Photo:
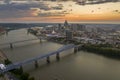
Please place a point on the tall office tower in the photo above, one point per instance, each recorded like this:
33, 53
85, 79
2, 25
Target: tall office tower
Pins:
66, 25
69, 35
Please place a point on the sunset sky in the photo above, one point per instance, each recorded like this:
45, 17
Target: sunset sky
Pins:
20, 11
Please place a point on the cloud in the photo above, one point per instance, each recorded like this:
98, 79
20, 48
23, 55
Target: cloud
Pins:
27, 4
47, 14
7, 1
25, 9
58, 7
85, 2
14, 9
88, 2
80, 2
116, 11
17, 14
24, 6
35, 11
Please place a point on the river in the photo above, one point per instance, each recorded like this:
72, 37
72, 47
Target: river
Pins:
80, 66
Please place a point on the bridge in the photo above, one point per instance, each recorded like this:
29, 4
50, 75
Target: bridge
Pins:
11, 43
35, 59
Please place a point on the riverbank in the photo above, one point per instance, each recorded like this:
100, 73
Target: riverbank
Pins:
105, 51
2, 31
2, 56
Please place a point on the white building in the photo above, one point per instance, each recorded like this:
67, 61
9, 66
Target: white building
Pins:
2, 66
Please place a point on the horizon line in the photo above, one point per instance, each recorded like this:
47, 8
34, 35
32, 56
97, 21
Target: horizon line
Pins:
60, 22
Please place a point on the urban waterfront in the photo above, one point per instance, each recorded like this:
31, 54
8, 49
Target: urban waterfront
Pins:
59, 39
83, 65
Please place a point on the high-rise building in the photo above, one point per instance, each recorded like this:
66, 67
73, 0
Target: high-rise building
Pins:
69, 35
81, 27
66, 24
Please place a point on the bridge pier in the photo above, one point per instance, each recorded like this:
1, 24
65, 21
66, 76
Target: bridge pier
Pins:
28, 31
57, 56
36, 64
6, 33
11, 45
48, 59
40, 40
75, 49
79, 48
21, 69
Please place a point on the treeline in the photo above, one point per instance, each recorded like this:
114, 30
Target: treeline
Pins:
19, 72
24, 25
105, 51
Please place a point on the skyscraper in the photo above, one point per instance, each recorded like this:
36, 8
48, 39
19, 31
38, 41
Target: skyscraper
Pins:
66, 24
69, 35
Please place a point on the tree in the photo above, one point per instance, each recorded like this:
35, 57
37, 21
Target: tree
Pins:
24, 76
7, 61
32, 78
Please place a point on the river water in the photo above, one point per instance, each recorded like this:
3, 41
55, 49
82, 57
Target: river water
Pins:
80, 66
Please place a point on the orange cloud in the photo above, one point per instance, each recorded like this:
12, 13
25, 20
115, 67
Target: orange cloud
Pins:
35, 11
94, 17
69, 17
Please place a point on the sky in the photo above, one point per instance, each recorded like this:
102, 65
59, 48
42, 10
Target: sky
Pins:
23, 11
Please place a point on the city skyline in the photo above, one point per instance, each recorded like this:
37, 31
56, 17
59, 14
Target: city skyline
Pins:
20, 11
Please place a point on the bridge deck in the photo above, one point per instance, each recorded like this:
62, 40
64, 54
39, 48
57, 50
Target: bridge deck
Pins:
19, 41
8, 43
18, 64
